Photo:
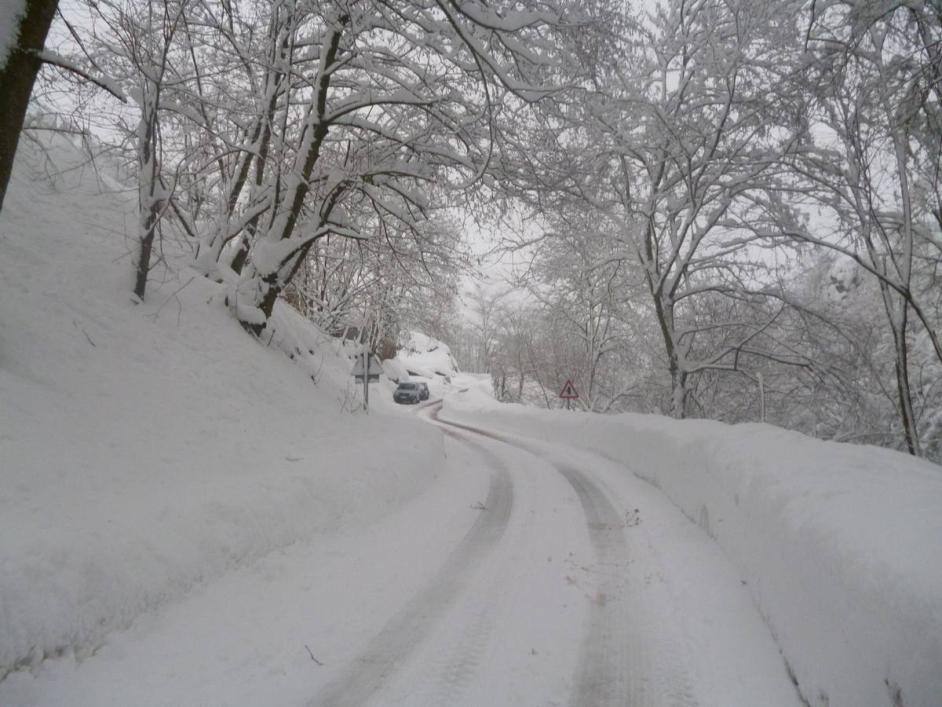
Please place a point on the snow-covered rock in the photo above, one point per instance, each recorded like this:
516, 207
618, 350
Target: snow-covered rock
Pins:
422, 356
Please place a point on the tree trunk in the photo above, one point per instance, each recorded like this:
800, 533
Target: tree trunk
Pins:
16, 81
145, 247
665, 319
678, 392
149, 205
904, 390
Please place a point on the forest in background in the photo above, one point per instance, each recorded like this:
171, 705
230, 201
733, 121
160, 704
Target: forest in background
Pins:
726, 209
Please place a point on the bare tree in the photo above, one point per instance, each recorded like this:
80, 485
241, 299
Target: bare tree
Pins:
148, 39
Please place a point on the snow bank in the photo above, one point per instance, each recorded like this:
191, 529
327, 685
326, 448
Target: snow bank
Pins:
145, 448
475, 388
840, 545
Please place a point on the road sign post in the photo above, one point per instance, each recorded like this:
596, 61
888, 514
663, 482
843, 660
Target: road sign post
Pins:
568, 393
368, 368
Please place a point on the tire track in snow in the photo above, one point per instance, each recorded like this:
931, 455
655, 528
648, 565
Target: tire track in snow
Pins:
611, 671
620, 665
616, 666
612, 668
391, 647
462, 660
459, 665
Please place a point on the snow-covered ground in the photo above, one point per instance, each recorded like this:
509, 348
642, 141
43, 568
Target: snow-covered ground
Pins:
191, 517
146, 449
839, 545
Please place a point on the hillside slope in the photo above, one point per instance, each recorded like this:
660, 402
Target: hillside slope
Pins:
148, 447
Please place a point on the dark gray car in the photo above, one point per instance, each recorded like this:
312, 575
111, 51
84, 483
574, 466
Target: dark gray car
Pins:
407, 393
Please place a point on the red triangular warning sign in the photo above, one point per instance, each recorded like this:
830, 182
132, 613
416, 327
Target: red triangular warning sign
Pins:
569, 391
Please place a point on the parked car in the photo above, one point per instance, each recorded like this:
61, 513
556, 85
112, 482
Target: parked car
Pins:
423, 391
407, 393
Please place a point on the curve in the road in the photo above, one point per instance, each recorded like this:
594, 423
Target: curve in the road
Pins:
367, 674
614, 667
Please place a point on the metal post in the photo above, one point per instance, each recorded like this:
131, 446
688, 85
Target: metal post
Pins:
761, 398
366, 379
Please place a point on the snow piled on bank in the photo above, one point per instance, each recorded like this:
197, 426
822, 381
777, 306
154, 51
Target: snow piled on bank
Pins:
839, 545
147, 448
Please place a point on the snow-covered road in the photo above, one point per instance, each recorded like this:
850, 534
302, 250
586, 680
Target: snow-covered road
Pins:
186, 520
527, 574
664, 618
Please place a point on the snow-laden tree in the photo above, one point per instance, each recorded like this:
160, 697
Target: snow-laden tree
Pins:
130, 49
866, 174
675, 130
147, 34
376, 285
583, 284
696, 132
851, 393
352, 108
520, 353
485, 311
673, 176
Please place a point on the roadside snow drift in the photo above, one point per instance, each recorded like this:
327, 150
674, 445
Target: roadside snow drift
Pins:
839, 545
145, 448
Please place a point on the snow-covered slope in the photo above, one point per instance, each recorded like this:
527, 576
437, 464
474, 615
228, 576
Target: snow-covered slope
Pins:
840, 545
145, 448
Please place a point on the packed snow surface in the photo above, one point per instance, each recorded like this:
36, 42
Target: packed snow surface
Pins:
839, 545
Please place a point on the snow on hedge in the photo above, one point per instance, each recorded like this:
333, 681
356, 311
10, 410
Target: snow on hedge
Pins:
149, 447
840, 545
